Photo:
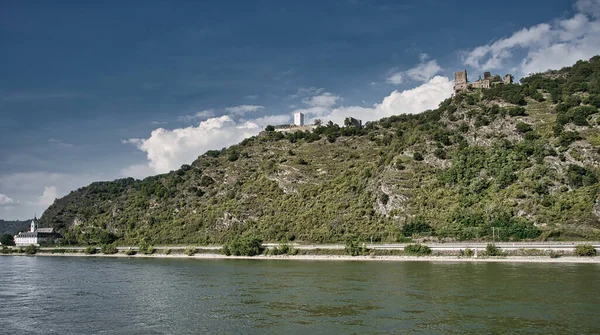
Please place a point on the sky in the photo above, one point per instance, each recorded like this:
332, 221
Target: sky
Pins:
118, 89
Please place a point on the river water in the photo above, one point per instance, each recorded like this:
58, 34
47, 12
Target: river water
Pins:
81, 295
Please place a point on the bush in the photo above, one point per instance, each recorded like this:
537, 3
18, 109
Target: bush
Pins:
467, 252
523, 127
585, 250
5, 250
352, 246
90, 250
130, 252
190, 251
492, 250
418, 156
244, 246
167, 251
109, 249
417, 249
30, 249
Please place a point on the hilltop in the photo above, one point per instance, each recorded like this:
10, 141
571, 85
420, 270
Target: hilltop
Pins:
521, 161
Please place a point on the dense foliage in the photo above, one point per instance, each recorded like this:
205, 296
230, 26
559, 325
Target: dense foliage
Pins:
514, 162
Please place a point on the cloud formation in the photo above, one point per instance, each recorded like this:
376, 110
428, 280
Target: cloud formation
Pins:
5, 200
543, 46
422, 72
48, 196
323, 100
201, 115
243, 109
167, 150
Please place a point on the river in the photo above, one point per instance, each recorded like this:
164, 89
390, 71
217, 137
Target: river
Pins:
79, 295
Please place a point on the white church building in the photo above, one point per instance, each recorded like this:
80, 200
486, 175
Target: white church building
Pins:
35, 235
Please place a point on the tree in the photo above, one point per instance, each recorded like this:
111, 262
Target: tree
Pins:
270, 128
318, 122
7, 239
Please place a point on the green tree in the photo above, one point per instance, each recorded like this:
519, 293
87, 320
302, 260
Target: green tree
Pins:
269, 128
7, 239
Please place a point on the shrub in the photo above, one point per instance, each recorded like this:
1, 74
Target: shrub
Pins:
190, 251
109, 249
467, 252
244, 246
130, 252
167, 251
417, 249
523, 127
90, 250
585, 250
352, 246
493, 250
418, 156
5, 250
149, 250
31, 249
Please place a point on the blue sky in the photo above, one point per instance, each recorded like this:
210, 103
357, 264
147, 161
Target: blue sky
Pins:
103, 91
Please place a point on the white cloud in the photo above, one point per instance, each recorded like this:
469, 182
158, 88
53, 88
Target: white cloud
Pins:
272, 120
412, 101
243, 109
167, 150
5, 200
323, 100
49, 195
591, 7
32, 192
543, 46
198, 116
396, 78
422, 72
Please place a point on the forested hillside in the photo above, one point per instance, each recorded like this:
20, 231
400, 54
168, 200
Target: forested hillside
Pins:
522, 160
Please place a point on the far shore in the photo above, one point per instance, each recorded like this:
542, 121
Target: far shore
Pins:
510, 259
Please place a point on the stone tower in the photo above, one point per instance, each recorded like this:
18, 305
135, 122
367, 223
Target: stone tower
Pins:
460, 81
299, 119
508, 79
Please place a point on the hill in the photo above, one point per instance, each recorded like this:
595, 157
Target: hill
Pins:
520, 161
13, 227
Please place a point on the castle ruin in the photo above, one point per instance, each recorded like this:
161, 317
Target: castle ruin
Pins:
461, 82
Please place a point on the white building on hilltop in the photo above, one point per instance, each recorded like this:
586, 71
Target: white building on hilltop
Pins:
299, 119
35, 235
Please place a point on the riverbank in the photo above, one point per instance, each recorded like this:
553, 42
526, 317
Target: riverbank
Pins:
512, 259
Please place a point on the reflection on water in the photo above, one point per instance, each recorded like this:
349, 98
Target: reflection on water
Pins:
69, 295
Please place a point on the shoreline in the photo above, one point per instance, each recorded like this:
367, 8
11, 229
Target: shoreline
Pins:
446, 259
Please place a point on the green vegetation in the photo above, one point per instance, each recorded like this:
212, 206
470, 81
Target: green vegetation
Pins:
354, 247
91, 250
493, 250
467, 170
109, 249
585, 250
417, 249
7, 239
30, 249
190, 251
283, 249
129, 252
244, 246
